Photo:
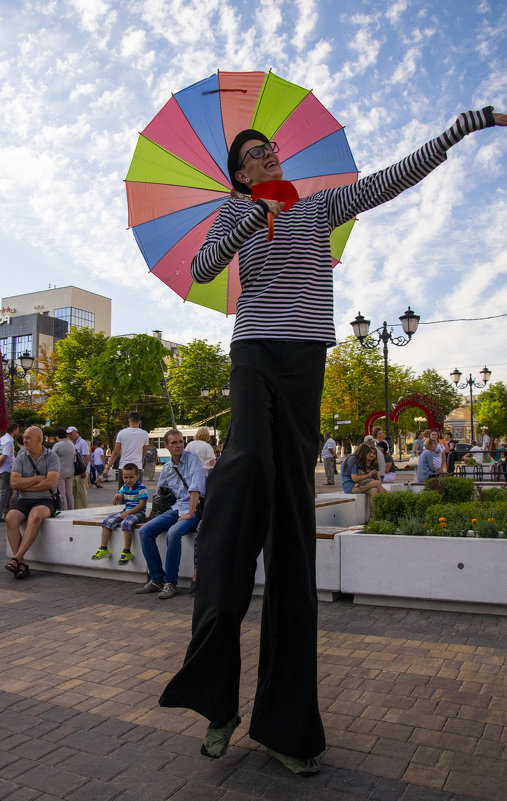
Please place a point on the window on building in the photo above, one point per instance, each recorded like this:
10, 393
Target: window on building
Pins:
5, 346
76, 317
20, 344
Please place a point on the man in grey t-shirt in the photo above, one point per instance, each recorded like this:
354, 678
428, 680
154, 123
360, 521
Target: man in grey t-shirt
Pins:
35, 476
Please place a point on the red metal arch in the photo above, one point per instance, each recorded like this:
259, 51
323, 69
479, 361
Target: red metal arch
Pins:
426, 403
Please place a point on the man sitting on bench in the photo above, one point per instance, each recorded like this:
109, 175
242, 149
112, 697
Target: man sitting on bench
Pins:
35, 476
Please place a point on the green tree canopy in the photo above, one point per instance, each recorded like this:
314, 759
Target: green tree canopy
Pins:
95, 378
354, 387
490, 409
199, 364
429, 382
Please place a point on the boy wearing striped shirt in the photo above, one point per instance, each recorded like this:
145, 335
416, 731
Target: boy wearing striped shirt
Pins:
135, 496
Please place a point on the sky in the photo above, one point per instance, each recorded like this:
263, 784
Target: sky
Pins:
80, 78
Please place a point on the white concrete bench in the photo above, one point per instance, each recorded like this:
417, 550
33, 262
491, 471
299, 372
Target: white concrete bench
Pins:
341, 509
66, 543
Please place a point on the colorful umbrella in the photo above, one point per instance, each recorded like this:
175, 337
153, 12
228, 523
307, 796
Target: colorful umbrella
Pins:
178, 177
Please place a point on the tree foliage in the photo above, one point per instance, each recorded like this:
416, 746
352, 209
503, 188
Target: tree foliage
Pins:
127, 369
91, 378
25, 416
199, 364
444, 392
354, 387
490, 409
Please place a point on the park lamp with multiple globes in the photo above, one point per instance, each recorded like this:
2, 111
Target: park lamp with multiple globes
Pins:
361, 329
12, 371
214, 397
471, 382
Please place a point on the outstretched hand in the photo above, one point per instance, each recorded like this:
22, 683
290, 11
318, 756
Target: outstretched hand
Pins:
500, 119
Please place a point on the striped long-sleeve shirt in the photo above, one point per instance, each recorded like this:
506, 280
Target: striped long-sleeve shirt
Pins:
287, 284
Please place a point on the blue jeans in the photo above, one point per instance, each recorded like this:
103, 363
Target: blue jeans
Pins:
168, 521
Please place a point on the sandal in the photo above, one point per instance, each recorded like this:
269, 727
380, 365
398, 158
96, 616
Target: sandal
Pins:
13, 568
23, 571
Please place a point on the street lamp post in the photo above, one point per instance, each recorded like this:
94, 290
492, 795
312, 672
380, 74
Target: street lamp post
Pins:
12, 371
471, 382
214, 397
361, 329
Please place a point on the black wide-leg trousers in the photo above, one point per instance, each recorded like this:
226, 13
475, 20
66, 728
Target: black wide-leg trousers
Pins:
260, 495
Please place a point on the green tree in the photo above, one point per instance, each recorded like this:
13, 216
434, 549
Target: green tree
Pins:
93, 378
73, 396
429, 382
129, 372
25, 417
354, 387
490, 409
199, 364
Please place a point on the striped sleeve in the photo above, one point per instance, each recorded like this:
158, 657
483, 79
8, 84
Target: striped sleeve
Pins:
468, 122
344, 203
224, 239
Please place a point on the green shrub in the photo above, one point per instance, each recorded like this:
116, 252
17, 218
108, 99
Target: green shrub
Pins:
487, 528
493, 494
412, 527
380, 527
425, 499
393, 505
452, 489
448, 520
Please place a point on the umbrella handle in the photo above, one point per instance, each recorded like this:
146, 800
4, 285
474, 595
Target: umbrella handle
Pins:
271, 227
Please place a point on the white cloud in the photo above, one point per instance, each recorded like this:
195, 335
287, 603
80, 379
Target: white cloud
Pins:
305, 24
91, 12
395, 10
81, 77
407, 67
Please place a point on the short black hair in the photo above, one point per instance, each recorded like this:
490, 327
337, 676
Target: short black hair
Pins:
232, 159
12, 427
131, 466
135, 416
61, 432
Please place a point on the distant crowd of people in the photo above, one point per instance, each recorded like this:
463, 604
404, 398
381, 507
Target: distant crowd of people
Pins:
371, 465
37, 483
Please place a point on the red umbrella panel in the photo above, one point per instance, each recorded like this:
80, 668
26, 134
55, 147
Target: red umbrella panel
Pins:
178, 176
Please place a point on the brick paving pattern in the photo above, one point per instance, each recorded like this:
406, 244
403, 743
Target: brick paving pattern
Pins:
413, 702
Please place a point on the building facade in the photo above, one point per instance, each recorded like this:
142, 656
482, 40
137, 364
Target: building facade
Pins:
42, 318
28, 332
77, 307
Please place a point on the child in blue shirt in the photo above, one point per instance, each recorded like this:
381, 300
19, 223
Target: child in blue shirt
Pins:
135, 496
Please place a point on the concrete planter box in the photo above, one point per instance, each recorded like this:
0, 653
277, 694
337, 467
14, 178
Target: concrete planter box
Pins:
433, 568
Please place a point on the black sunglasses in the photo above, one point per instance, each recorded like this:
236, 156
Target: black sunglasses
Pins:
258, 151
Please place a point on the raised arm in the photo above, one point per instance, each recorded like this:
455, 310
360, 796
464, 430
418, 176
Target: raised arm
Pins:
346, 202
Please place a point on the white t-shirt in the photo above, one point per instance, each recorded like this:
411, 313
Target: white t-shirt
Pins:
7, 450
132, 442
328, 446
478, 453
204, 451
437, 456
97, 455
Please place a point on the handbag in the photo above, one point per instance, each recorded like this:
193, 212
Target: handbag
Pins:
79, 465
55, 493
199, 510
413, 461
162, 501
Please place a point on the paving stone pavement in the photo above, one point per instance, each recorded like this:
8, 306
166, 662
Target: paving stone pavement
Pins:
413, 702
